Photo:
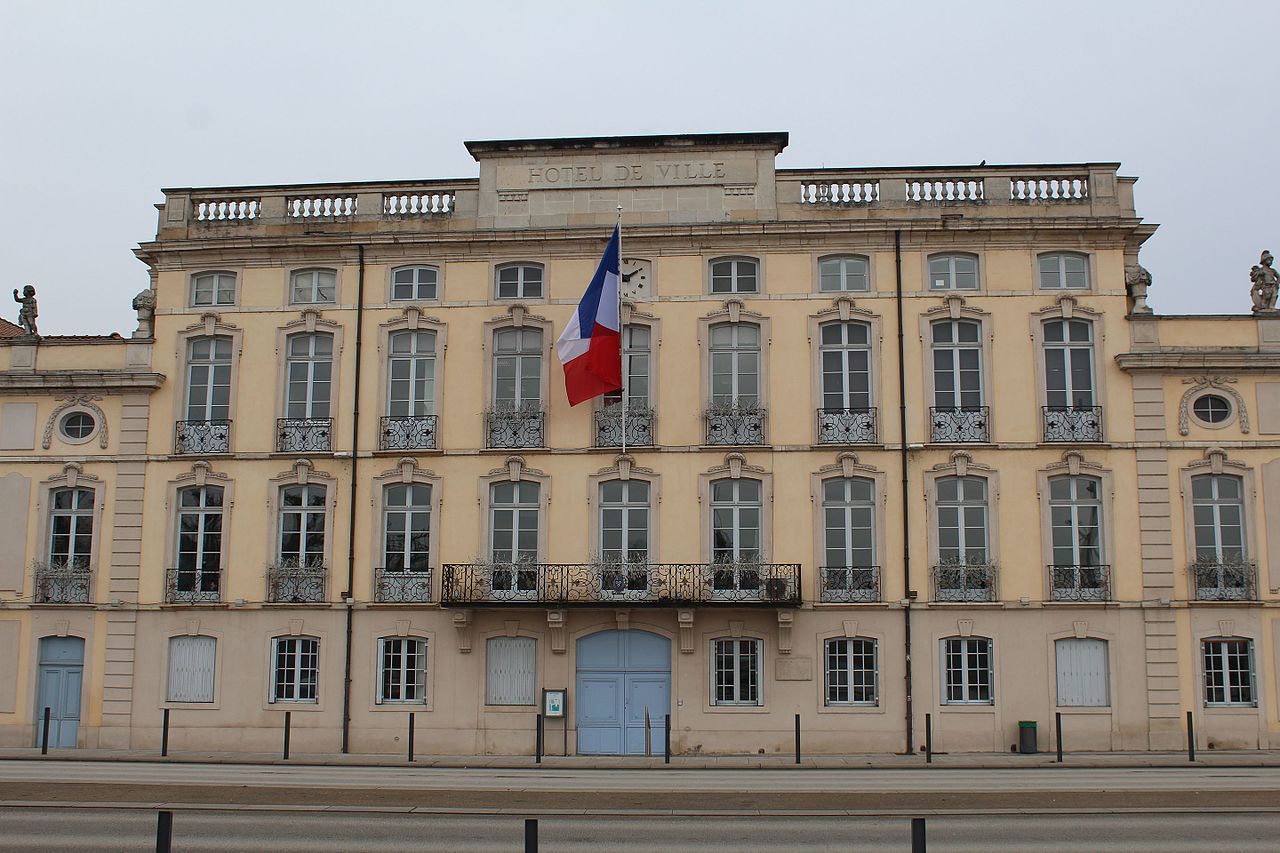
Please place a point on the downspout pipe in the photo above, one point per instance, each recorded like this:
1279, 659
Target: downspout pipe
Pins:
904, 461
347, 595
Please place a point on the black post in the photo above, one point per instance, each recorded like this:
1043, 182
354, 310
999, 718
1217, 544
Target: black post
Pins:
44, 738
1057, 723
164, 832
928, 738
530, 835
666, 740
1191, 737
917, 835
164, 736
797, 738
410, 737
287, 720
538, 754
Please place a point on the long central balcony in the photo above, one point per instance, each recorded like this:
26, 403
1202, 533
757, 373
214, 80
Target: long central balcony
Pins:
629, 584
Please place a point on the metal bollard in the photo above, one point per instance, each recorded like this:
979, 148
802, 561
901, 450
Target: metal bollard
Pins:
1057, 724
530, 835
1191, 737
538, 752
287, 721
797, 738
666, 738
410, 737
928, 738
917, 835
44, 737
164, 736
164, 832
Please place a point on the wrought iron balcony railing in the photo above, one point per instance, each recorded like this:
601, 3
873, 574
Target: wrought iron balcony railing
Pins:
403, 587
967, 581
735, 424
1225, 580
60, 582
848, 584
202, 437
958, 426
515, 428
1080, 583
639, 426
1072, 423
636, 584
304, 435
289, 582
847, 426
192, 586
409, 433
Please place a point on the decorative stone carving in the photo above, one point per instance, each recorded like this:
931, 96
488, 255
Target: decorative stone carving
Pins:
27, 313
462, 623
1266, 284
82, 401
1220, 383
555, 630
145, 304
786, 618
1137, 280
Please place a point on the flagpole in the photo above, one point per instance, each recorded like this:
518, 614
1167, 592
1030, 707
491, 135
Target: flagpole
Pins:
622, 334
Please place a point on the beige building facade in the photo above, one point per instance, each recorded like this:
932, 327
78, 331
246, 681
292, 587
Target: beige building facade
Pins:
899, 441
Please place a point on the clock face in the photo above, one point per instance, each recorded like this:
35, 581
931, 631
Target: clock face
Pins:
637, 278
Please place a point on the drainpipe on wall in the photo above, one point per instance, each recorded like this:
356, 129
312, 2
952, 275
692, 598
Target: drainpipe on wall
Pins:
347, 597
906, 503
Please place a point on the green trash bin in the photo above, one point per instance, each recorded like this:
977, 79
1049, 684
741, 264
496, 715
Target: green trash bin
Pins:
1027, 737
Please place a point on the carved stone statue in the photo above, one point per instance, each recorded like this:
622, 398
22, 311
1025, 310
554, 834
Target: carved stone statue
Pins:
27, 313
145, 304
1266, 284
1137, 280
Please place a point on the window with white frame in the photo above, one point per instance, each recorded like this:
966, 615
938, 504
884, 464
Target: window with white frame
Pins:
302, 526
1064, 271
514, 516
209, 379
1068, 364
636, 341
736, 509
402, 672
71, 528
624, 521
967, 671
309, 374
511, 671
519, 281
735, 672
213, 288
411, 372
1083, 677
517, 368
295, 669
846, 273
191, 669
851, 671
406, 526
308, 287
953, 272
1075, 519
735, 364
962, 520
845, 351
1217, 508
1228, 673
957, 364
848, 538
735, 275
199, 557
417, 282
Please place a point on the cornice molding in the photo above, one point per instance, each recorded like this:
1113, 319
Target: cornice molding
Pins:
98, 381
1202, 361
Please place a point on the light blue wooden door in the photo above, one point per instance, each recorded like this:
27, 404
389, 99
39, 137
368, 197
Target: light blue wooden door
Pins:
61, 676
620, 675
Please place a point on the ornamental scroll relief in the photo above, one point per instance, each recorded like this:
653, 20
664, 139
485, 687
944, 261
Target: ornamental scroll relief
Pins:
80, 402
1220, 383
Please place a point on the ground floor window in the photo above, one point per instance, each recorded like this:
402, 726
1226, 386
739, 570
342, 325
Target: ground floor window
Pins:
851, 671
296, 669
510, 671
191, 661
735, 672
402, 673
966, 671
1228, 673
1082, 672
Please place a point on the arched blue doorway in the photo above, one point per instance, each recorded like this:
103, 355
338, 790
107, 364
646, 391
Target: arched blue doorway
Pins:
621, 674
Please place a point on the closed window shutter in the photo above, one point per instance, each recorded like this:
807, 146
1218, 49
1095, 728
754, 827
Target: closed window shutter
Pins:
1082, 673
191, 661
510, 677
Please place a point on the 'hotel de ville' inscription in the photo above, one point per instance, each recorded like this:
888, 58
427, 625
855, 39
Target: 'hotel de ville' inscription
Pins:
619, 172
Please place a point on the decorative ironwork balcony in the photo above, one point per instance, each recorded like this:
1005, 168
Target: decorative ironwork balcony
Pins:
847, 426
403, 587
1072, 423
202, 437
958, 426
409, 433
636, 584
1080, 583
848, 584
304, 435
639, 426
735, 424
964, 581
60, 582
192, 586
289, 582
1225, 580
514, 428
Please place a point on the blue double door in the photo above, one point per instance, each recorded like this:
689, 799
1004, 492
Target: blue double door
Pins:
61, 679
621, 676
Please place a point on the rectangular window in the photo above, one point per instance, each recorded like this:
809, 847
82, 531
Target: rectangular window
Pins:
966, 671
953, 272
734, 275
1083, 681
1228, 673
402, 674
511, 671
71, 528
851, 671
313, 286
520, 281
191, 662
295, 669
213, 288
414, 283
735, 672
309, 376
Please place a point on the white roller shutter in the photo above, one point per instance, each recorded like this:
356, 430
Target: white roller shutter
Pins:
510, 671
1082, 672
191, 662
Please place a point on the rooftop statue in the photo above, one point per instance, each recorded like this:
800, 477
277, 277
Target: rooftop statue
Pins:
145, 304
1266, 284
27, 313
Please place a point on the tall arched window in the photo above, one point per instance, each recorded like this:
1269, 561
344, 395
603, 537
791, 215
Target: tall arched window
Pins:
197, 575
1071, 411
964, 571
959, 412
1078, 572
624, 538
847, 415
1222, 570
849, 572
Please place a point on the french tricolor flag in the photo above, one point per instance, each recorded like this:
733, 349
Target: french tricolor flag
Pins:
590, 348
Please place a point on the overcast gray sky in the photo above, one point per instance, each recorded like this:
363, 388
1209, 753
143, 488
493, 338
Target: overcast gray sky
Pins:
106, 102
